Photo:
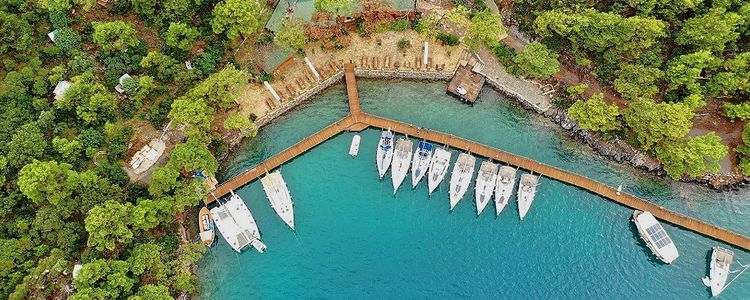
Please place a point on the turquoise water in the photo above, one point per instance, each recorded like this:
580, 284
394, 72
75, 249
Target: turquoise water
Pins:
355, 240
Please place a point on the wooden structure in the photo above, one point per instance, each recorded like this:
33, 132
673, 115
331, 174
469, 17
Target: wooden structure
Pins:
358, 120
466, 84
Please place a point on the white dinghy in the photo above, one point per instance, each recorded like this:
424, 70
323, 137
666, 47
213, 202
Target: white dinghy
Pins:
463, 170
506, 179
401, 161
655, 236
721, 263
420, 162
384, 154
354, 147
526, 193
438, 168
485, 185
279, 197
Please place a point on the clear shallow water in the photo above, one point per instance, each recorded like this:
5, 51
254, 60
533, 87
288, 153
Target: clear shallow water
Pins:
355, 240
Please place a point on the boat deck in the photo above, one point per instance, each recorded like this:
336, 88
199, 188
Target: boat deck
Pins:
356, 117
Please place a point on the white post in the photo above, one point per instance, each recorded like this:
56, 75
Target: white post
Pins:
426, 50
270, 89
312, 68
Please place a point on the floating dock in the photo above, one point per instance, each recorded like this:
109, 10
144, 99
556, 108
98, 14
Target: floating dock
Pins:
466, 84
357, 121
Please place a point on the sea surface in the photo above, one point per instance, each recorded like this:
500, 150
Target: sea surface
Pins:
356, 240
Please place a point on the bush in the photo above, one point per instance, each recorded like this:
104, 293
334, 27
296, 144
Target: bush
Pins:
448, 39
120, 7
52, 52
537, 61
404, 43
81, 63
59, 19
67, 39
400, 25
130, 85
737, 111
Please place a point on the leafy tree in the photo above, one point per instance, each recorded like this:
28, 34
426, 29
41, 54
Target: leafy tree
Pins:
67, 39
100, 107
194, 113
181, 36
113, 36
163, 180
637, 81
221, 88
45, 182
485, 28
193, 156
149, 258
109, 225
186, 283
150, 213
429, 26
238, 121
189, 194
91, 190
15, 33
576, 90
693, 156
145, 8
237, 17
162, 67
537, 61
70, 150
177, 9
743, 152
27, 143
81, 63
3, 171
152, 292
711, 31
595, 114
687, 69
658, 122
737, 111
291, 35
338, 7
102, 279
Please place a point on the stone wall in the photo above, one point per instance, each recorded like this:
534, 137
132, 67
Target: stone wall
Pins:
513, 94
402, 74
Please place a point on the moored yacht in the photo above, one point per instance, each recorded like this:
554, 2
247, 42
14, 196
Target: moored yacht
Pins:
721, 263
279, 197
438, 168
485, 185
401, 161
354, 147
228, 228
461, 175
526, 193
384, 154
655, 236
506, 179
420, 162
245, 221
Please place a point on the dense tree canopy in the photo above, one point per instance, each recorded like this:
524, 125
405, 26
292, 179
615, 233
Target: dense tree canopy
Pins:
237, 17
537, 61
181, 36
658, 122
637, 81
693, 156
484, 28
115, 35
711, 31
291, 34
595, 114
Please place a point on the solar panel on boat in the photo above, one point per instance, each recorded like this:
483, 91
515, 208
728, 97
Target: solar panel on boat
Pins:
658, 235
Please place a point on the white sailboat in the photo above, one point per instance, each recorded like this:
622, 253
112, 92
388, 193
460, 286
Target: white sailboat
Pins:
526, 193
228, 228
438, 168
279, 197
401, 161
655, 236
245, 221
384, 154
721, 263
485, 185
506, 179
354, 147
421, 162
461, 175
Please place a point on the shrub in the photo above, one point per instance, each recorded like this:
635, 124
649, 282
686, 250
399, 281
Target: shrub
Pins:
737, 111
448, 39
404, 43
400, 25
67, 39
537, 61
81, 63
130, 85
59, 19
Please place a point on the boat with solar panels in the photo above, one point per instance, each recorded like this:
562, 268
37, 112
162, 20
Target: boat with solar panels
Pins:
384, 154
655, 236
401, 161
420, 162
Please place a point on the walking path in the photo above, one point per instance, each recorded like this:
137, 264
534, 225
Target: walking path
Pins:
358, 120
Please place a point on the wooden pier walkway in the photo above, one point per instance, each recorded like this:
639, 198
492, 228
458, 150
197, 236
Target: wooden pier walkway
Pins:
358, 120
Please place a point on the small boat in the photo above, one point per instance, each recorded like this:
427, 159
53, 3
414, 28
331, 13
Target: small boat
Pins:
526, 193
438, 168
421, 162
485, 185
463, 170
279, 197
401, 161
206, 225
354, 148
721, 263
655, 237
506, 179
385, 152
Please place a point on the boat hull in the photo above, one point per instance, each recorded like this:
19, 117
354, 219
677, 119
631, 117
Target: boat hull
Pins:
384, 154
643, 221
438, 169
279, 197
420, 164
485, 185
461, 175
401, 162
206, 224
506, 180
526, 194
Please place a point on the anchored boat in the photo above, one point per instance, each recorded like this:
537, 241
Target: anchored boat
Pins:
461, 177
438, 168
721, 263
279, 197
401, 161
655, 237
384, 154
421, 162
354, 148
526, 193
506, 178
206, 225
485, 185
237, 225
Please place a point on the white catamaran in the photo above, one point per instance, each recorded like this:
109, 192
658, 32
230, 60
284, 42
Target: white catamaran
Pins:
485, 185
655, 237
401, 161
721, 263
237, 225
461, 175
420, 162
385, 152
526, 193
506, 178
438, 168
279, 197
